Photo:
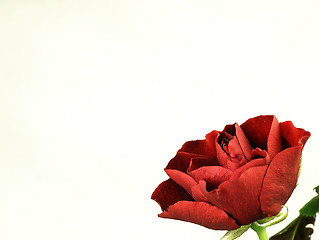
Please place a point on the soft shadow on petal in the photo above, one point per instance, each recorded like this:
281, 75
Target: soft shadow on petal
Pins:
168, 193
240, 197
200, 213
280, 180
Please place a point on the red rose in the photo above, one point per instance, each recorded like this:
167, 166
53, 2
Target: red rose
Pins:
233, 177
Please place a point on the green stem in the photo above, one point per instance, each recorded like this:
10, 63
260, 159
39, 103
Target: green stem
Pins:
260, 230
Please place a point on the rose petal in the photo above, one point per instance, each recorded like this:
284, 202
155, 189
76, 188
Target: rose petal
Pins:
257, 130
212, 175
252, 163
234, 148
182, 179
243, 142
197, 194
189, 150
224, 160
197, 146
240, 197
280, 180
198, 162
181, 161
168, 193
274, 139
200, 213
211, 139
259, 153
293, 136
230, 129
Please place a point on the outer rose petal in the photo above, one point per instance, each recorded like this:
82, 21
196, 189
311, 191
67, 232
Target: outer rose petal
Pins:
280, 180
240, 197
200, 213
168, 193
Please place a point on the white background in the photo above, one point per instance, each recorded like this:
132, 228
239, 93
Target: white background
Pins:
97, 96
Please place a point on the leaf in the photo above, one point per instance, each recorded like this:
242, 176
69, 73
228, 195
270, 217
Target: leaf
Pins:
317, 189
231, 235
296, 230
311, 208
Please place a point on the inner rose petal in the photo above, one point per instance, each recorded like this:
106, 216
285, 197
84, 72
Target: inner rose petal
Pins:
212, 175
234, 148
243, 142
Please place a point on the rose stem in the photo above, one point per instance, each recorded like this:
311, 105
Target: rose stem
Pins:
261, 231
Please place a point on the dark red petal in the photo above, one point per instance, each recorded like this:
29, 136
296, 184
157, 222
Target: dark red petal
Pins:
191, 150
181, 161
197, 146
212, 175
200, 213
197, 194
252, 163
168, 193
243, 142
240, 197
259, 153
233, 148
257, 130
274, 145
293, 136
198, 162
211, 139
224, 160
230, 129
182, 179
280, 180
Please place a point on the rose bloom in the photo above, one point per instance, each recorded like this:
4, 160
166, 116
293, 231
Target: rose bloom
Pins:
233, 177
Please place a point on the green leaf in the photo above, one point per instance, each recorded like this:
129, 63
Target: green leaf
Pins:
311, 208
296, 230
231, 235
317, 189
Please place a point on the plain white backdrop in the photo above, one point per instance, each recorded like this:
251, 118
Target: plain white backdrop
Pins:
97, 96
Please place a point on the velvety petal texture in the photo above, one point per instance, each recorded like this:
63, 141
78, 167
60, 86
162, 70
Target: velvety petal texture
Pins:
235, 176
